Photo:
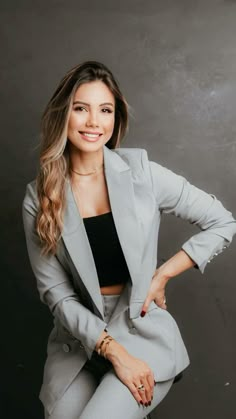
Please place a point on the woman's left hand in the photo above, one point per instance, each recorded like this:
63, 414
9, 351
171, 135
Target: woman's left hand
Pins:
177, 264
156, 292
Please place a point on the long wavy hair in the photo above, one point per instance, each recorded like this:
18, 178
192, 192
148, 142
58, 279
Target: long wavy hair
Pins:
54, 156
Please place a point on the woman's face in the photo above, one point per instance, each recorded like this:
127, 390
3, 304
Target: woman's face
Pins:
92, 118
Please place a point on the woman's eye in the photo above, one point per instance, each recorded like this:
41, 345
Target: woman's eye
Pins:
79, 108
106, 110
82, 108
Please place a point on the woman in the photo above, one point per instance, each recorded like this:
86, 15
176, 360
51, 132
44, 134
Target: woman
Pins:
91, 222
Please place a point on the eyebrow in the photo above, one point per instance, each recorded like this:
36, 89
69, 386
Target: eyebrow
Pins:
87, 104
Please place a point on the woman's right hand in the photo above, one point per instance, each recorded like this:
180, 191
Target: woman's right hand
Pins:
132, 371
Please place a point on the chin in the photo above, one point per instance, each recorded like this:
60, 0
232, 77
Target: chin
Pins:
90, 146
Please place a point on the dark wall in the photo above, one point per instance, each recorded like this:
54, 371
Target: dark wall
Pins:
176, 63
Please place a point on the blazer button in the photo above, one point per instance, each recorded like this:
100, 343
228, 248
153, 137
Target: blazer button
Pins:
133, 331
66, 348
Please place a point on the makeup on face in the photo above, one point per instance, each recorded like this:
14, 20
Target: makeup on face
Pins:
92, 116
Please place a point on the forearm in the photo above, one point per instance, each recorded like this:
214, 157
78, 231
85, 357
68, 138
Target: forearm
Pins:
102, 336
174, 266
110, 348
130, 370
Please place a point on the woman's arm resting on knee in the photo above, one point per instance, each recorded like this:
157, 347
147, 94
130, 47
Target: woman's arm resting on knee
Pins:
130, 370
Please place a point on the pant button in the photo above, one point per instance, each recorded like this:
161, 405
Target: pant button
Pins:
66, 348
133, 331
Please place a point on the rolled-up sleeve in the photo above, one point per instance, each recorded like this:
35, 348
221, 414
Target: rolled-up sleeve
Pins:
175, 195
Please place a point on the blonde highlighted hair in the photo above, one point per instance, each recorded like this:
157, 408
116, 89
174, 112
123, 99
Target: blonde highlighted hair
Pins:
54, 156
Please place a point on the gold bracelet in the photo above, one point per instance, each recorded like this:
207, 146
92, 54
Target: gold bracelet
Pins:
102, 350
105, 350
102, 342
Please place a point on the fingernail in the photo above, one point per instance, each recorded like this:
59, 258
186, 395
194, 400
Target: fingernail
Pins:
149, 403
143, 313
141, 402
146, 404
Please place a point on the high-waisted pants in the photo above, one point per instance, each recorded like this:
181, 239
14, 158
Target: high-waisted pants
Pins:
97, 393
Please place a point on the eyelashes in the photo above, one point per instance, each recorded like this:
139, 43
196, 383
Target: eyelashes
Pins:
107, 110
82, 108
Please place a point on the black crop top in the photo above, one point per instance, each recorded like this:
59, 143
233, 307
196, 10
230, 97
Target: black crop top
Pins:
108, 256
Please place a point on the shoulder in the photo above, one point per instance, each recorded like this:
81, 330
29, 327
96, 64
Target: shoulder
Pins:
135, 158
138, 158
31, 197
130, 154
163, 181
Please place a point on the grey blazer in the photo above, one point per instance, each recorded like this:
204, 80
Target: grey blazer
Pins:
139, 192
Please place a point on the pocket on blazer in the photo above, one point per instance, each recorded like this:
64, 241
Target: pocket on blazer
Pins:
156, 322
143, 325
135, 310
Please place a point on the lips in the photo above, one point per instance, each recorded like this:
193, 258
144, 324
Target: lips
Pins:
90, 136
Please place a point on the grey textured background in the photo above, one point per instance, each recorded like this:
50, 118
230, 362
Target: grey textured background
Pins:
176, 63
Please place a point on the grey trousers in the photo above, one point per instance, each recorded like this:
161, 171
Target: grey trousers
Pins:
97, 393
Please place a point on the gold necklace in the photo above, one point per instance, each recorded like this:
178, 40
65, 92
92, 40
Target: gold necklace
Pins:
88, 174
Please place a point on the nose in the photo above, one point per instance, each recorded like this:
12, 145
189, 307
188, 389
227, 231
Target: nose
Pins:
92, 120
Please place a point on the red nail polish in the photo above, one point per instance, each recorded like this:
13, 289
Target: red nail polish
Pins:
141, 402
143, 313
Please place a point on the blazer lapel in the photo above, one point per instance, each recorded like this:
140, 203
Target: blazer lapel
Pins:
122, 201
76, 241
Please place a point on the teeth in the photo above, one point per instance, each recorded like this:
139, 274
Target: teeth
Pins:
90, 135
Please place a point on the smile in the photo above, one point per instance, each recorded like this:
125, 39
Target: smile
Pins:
90, 135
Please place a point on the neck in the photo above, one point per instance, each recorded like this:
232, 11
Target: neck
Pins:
86, 162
